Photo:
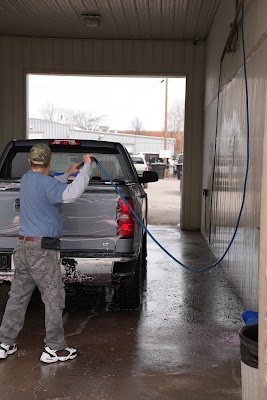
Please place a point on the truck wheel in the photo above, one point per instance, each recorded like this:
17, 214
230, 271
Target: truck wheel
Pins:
129, 295
144, 247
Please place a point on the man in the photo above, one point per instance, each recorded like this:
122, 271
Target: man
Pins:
37, 255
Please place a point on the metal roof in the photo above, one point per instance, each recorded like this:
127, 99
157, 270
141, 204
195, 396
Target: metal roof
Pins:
119, 19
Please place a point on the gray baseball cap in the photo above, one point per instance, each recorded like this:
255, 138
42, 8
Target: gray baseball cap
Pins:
40, 154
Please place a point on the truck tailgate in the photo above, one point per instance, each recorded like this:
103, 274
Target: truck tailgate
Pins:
9, 221
90, 222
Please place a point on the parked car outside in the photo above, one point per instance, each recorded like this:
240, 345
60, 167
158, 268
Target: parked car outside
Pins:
150, 157
140, 165
155, 163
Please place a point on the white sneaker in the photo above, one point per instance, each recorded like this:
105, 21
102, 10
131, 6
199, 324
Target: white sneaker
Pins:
6, 350
51, 356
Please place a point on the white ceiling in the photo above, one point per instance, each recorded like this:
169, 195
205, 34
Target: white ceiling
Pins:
120, 19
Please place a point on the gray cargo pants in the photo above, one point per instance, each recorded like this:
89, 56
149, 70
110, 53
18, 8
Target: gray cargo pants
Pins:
41, 267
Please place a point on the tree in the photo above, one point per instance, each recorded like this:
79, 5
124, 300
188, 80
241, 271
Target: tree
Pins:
176, 118
84, 120
176, 125
137, 124
52, 112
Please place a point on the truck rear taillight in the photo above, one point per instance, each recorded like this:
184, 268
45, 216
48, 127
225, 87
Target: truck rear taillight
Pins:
66, 142
126, 220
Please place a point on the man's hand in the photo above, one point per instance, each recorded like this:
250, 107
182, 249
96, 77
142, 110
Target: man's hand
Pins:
72, 169
87, 159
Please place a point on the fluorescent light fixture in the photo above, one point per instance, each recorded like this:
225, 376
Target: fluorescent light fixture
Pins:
91, 20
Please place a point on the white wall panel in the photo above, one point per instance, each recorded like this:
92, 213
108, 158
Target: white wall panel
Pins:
216, 42
241, 264
245, 264
192, 149
108, 57
255, 32
208, 152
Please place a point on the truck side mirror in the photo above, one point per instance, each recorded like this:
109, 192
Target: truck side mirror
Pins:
148, 176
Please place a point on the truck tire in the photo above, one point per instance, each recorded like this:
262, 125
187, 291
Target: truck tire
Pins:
129, 295
144, 247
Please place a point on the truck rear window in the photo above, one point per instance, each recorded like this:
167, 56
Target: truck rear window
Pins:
17, 164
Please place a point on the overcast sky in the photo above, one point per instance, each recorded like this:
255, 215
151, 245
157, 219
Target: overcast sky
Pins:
120, 100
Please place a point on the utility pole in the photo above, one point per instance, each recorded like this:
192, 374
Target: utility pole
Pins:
166, 114
166, 122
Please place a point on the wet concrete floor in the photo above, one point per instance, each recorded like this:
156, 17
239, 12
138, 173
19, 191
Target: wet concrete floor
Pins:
183, 344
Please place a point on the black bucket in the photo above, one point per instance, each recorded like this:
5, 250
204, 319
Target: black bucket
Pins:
249, 345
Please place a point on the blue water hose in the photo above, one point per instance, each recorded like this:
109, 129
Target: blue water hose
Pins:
215, 264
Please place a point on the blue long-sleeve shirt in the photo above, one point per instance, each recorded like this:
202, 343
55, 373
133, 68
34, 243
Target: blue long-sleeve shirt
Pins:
41, 197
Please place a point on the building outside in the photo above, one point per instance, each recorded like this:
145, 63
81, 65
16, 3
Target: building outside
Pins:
177, 136
135, 143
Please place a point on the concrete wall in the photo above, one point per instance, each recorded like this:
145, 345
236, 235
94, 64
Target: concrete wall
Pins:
220, 209
19, 56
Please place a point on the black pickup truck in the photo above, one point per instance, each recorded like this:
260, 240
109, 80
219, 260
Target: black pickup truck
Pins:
102, 242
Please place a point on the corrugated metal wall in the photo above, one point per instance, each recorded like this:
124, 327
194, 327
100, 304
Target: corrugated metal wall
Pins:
245, 264
242, 262
39, 129
20, 56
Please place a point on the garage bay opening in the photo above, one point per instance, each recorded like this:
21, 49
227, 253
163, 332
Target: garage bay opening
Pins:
145, 114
